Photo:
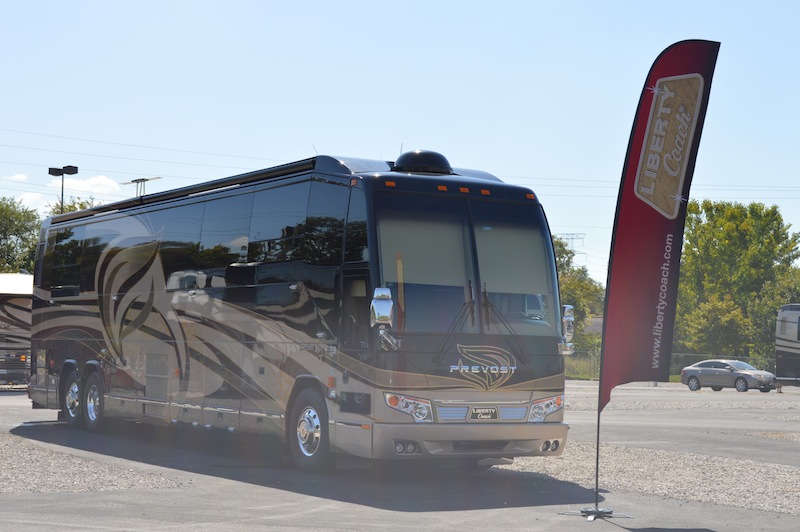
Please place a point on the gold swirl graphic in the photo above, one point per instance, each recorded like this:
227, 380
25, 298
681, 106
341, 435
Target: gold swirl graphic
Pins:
487, 367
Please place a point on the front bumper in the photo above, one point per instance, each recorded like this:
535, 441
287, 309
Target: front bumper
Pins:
467, 440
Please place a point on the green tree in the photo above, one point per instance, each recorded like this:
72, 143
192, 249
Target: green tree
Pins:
74, 204
737, 268
582, 292
762, 310
718, 326
19, 231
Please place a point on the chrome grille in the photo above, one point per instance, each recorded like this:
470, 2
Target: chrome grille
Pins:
452, 413
513, 413
459, 413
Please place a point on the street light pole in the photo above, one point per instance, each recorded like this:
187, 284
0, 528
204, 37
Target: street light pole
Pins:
68, 170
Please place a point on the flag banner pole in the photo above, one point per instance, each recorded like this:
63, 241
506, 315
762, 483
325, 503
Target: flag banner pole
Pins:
642, 284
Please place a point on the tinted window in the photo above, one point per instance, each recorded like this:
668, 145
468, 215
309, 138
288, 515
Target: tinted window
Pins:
96, 239
426, 260
325, 223
66, 260
515, 263
278, 222
178, 230
224, 237
355, 247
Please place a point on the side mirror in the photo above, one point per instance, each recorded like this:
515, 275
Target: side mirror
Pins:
568, 321
381, 310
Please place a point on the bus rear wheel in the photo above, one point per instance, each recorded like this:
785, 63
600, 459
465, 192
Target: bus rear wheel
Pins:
93, 402
308, 432
71, 400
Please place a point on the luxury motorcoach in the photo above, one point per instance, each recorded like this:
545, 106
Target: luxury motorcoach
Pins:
399, 310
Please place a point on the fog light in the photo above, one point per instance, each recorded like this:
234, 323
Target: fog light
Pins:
399, 448
411, 448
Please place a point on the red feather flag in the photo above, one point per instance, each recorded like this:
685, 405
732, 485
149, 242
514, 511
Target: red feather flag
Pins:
642, 286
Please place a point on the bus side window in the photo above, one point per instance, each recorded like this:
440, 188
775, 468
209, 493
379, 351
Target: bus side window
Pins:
355, 247
179, 231
66, 262
355, 315
224, 238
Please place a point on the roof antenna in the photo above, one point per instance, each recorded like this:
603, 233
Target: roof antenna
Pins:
401, 148
315, 149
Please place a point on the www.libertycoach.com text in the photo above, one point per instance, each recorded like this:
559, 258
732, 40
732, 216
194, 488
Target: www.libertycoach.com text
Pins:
661, 307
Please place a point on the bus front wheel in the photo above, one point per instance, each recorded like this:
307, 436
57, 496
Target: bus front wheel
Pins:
308, 432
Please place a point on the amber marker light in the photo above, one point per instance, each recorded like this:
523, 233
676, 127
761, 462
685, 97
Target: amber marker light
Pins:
393, 400
465, 190
485, 192
530, 196
441, 188
390, 184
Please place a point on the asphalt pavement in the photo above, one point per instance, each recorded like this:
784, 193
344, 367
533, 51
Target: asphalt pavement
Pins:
235, 482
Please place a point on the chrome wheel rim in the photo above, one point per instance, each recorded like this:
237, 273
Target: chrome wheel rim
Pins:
741, 385
309, 431
72, 400
92, 403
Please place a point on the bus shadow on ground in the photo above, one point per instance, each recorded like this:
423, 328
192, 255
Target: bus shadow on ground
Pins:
260, 461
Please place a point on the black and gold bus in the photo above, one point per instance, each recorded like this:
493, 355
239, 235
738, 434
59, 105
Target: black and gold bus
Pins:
15, 328
389, 310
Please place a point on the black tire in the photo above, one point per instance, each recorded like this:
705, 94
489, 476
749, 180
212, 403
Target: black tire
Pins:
92, 404
741, 384
71, 400
716, 388
308, 434
693, 383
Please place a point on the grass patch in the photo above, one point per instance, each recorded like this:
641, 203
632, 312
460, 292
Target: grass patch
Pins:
582, 367
587, 368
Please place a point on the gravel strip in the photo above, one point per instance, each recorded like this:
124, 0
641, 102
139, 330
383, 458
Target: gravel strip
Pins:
681, 475
28, 468
674, 475
583, 404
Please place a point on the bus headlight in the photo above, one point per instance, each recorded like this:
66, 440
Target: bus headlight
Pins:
419, 409
542, 408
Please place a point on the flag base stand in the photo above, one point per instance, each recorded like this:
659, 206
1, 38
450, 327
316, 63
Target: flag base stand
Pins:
593, 513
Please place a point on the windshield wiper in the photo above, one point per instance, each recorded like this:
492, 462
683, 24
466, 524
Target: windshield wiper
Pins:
467, 310
490, 311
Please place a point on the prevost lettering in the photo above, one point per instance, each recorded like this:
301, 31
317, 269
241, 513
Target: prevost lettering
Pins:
479, 369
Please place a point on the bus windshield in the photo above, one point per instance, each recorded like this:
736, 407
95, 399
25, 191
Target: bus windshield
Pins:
467, 266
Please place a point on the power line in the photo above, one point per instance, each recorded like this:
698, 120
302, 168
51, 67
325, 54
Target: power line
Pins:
140, 146
105, 171
123, 158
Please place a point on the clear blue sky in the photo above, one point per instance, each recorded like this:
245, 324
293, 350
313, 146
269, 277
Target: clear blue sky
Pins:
538, 93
